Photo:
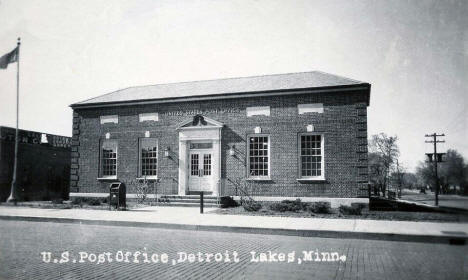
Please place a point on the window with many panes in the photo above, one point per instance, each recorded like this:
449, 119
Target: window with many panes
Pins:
108, 159
207, 164
258, 156
311, 156
148, 157
194, 171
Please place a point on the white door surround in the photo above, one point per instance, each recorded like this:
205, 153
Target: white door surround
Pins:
195, 161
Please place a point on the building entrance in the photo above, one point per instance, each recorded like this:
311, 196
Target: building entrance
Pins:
200, 167
199, 155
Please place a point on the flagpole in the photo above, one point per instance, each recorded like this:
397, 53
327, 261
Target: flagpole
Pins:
13, 195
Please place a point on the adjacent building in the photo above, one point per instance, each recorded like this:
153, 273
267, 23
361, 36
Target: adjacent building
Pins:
43, 168
285, 135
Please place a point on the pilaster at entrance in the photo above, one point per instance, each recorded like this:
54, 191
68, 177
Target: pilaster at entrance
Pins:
199, 155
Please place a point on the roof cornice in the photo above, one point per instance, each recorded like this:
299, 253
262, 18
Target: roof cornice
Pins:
355, 87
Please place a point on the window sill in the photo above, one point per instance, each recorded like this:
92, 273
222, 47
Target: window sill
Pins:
311, 180
113, 178
259, 179
148, 178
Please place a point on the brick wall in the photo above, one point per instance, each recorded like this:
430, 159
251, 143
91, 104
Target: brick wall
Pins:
43, 170
343, 123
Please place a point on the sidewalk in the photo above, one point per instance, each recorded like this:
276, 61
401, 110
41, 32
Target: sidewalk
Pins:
191, 219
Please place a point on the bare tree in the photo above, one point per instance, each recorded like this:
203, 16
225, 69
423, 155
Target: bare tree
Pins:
453, 172
425, 174
376, 171
384, 148
409, 180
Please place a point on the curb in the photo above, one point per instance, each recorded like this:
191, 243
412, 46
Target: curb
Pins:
453, 239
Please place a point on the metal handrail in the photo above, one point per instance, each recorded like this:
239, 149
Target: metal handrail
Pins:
220, 191
243, 190
150, 188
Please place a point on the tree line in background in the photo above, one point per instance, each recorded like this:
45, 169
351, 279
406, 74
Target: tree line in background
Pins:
386, 174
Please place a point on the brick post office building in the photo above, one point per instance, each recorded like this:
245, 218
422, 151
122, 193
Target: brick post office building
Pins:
285, 135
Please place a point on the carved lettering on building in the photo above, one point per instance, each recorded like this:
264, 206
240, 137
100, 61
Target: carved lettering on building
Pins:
202, 112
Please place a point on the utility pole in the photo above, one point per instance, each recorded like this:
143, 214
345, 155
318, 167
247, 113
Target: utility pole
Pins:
437, 158
398, 178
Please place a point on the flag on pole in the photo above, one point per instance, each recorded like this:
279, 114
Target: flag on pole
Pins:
9, 58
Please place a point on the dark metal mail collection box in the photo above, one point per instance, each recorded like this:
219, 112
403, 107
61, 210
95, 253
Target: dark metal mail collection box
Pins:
117, 196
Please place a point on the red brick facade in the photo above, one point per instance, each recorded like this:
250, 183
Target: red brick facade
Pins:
343, 124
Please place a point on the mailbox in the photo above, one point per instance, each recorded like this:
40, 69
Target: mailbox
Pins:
117, 195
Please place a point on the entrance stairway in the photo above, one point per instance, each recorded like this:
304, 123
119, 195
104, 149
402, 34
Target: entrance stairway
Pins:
188, 201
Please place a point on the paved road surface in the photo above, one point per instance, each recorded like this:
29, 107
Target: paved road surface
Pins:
447, 200
21, 244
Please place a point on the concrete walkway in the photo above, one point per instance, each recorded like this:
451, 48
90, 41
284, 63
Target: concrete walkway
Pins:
191, 219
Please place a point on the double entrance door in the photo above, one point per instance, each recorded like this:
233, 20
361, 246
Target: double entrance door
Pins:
200, 167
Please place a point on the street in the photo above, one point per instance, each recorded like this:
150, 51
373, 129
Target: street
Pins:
447, 200
28, 251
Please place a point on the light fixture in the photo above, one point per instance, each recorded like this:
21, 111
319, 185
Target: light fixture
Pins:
232, 151
166, 152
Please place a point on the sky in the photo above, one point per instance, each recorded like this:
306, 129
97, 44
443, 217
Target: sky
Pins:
413, 53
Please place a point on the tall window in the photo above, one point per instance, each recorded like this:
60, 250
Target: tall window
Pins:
108, 159
258, 156
194, 171
148, 157
207, 164
311, 156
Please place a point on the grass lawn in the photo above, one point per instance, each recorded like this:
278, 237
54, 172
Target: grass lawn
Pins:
366, 214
